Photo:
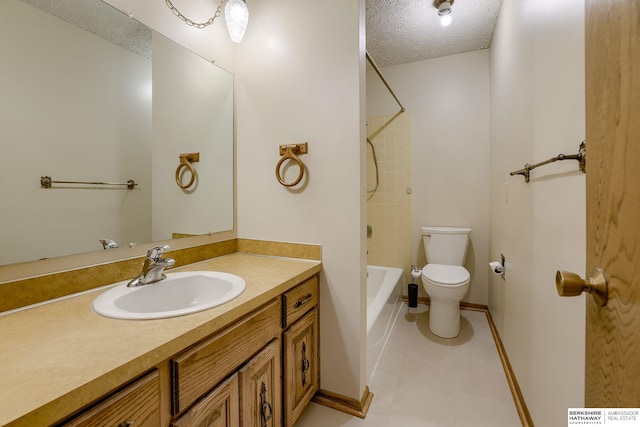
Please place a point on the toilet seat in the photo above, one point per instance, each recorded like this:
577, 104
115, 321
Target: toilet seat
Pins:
445, 275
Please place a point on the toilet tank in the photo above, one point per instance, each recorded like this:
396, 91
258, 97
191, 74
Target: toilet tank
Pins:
445, 245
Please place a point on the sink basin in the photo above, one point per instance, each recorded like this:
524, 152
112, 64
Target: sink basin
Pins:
179, 294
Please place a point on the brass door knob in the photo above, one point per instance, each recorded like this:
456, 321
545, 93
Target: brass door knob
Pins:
570, 284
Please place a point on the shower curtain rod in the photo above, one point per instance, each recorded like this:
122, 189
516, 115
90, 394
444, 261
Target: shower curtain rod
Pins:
377, 70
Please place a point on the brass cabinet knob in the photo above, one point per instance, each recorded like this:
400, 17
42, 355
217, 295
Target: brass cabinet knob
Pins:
570, 284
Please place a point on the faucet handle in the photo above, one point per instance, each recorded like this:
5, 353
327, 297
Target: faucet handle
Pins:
156, 252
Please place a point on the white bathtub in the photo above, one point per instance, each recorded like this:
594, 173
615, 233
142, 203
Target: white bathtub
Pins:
384, 288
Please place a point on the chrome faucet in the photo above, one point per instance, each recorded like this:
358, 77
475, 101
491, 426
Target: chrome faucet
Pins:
154, 265
108, 244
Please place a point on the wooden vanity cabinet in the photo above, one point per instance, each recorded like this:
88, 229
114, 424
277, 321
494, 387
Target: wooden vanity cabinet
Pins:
301, 369
261, 371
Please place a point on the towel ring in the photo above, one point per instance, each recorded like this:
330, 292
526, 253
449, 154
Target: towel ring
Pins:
289, 152
186, 161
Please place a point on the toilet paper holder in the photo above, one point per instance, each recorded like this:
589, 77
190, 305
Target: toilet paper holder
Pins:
499, 268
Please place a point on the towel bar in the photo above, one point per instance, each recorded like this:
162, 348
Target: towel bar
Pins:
581, 157
46, 181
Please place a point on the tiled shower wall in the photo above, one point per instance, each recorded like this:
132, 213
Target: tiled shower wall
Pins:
389, 209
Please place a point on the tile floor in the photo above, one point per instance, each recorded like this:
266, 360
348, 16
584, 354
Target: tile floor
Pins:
423, 380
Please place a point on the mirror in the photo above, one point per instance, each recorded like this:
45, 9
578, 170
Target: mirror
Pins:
106, 103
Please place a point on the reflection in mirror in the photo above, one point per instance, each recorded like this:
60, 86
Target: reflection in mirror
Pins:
78, 107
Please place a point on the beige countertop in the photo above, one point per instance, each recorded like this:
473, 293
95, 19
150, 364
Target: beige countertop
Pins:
61, 356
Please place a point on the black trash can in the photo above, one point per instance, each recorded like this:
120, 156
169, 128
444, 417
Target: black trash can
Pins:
413, 295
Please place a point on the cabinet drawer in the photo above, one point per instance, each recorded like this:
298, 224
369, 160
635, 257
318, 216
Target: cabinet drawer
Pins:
298, 300
198, 370
137, 405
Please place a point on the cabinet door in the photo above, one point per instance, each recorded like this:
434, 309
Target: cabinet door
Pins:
136, 405
300, 365
220, 408
260, 389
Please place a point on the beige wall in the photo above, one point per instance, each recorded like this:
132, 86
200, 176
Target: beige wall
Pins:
300, 77
448, 99
537, 96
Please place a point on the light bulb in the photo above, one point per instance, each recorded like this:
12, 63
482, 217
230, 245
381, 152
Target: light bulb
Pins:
444, 12
236, 16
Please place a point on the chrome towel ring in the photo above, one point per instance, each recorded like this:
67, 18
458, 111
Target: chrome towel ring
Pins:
290, 152
186, 161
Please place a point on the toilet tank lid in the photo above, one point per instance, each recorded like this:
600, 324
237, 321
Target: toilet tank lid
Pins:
445, 230
446, 274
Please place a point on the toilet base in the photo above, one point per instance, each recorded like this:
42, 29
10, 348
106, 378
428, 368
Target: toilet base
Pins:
444, 318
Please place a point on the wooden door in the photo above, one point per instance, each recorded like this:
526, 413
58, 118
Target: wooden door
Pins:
613, 200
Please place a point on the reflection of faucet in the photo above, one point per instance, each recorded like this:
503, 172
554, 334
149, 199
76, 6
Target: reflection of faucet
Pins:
108, 244
154, 265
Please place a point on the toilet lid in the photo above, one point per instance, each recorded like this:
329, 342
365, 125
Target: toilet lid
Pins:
445, 274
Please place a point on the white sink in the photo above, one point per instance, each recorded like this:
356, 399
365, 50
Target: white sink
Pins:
179, 294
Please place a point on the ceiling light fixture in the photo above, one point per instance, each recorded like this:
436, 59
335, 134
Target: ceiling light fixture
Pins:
444, 11
236, 15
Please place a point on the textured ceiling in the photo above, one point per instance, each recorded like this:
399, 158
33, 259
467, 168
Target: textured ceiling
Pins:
398, 31
102, 20
402, 31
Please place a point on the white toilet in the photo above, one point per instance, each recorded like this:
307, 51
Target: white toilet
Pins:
444, 278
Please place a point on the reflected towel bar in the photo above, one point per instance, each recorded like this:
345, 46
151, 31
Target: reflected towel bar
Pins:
581, 157
46, 181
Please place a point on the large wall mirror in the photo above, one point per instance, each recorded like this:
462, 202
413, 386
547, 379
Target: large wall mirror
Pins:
91, 95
